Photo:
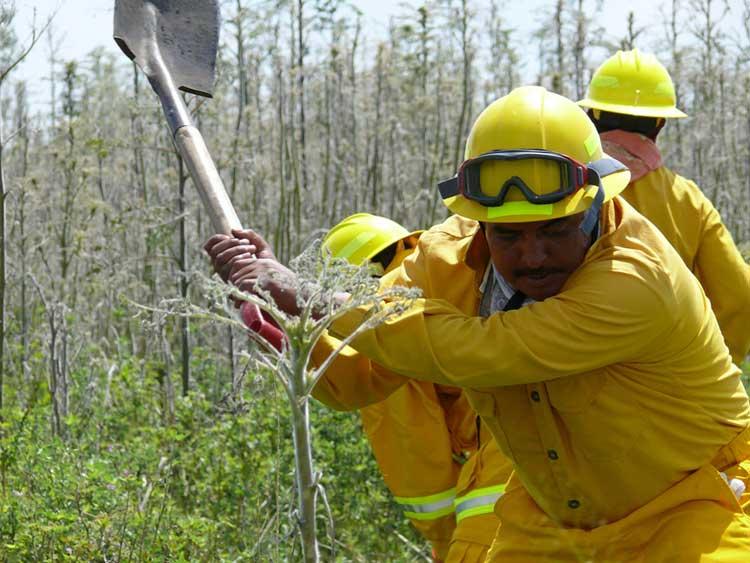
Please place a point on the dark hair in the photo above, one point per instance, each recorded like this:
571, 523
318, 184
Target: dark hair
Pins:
608, 121
385, 256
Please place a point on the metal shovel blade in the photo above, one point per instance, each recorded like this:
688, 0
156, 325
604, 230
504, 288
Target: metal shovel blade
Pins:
174, 42
181, 35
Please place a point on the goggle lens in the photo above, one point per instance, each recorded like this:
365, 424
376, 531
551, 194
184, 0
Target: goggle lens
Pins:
542, 177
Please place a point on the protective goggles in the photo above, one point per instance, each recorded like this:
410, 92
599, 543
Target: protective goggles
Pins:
571, 176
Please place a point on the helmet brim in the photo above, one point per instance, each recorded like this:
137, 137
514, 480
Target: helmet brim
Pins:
412, 236
525, 212
645, 111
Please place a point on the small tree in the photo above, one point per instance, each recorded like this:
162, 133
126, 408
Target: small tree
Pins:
316, 284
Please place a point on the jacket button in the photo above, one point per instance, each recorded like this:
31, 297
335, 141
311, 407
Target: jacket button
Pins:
573, 503
552, 454
535, 396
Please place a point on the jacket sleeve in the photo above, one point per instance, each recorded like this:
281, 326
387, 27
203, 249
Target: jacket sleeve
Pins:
352, 381
411, 440
605, 317
725, 277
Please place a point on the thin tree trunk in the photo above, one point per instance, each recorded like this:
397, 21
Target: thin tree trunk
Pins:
327, 112
676, 73
578, 52
183, 253
242, 99
374, 169
3, 256
23, 250
306, 485
239, 35
466, 83
423, 55
52, 78
354, 142
301, 48
558, 80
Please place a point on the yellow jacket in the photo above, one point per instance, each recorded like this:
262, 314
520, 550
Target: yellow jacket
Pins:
481, 482
419, 432
604, 396
691, 223
418, 436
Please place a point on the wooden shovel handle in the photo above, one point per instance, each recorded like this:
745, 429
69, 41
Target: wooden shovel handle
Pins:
206, 178
224, 218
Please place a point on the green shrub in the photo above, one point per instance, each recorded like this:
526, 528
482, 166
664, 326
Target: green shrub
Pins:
213, 485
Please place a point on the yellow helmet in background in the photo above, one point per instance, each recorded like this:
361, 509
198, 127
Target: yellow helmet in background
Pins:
532, 145
632, 83
360, 237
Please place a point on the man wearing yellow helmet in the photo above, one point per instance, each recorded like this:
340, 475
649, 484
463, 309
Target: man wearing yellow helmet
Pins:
629, 99
364, 238
613, 394
443, 472
409, 431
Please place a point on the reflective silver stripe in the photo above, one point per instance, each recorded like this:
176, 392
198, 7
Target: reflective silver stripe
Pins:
479, 501
428, 507
431, 507
484, 500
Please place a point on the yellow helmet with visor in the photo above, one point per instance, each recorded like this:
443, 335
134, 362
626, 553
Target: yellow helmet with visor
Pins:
532, 155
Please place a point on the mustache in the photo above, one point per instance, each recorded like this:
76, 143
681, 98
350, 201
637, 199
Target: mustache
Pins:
538, 272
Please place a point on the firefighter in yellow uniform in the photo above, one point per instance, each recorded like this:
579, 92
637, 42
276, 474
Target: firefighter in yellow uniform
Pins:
423, 436
614, 394
629, 99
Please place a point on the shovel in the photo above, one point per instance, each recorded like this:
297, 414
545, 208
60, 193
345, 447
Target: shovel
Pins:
174, 43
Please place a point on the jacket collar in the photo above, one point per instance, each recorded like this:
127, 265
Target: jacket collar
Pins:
639, 153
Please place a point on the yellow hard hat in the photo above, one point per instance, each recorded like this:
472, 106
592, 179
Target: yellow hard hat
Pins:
532, 155
632, 83
361, 236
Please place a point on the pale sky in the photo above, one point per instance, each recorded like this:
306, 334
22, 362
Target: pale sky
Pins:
82, 25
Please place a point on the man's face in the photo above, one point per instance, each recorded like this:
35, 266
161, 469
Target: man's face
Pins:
537, 258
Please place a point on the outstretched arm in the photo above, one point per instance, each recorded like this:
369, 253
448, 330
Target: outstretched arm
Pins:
608, 317
725, 277
352, 381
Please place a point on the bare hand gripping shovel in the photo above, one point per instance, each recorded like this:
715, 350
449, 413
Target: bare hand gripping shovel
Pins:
174, 43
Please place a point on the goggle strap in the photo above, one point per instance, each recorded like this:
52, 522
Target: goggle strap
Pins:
448, 188
604, 167
597, 170
591, 216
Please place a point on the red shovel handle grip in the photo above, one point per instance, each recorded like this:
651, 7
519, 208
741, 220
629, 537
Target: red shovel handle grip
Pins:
257, 321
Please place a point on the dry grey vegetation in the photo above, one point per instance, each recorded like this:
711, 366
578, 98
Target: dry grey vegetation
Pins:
315, 117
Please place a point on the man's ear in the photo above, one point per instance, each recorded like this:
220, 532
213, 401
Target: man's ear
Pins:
660, 123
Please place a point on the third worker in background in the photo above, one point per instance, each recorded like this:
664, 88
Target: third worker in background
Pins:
630, 97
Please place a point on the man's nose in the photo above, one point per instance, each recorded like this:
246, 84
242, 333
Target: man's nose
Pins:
533, 253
